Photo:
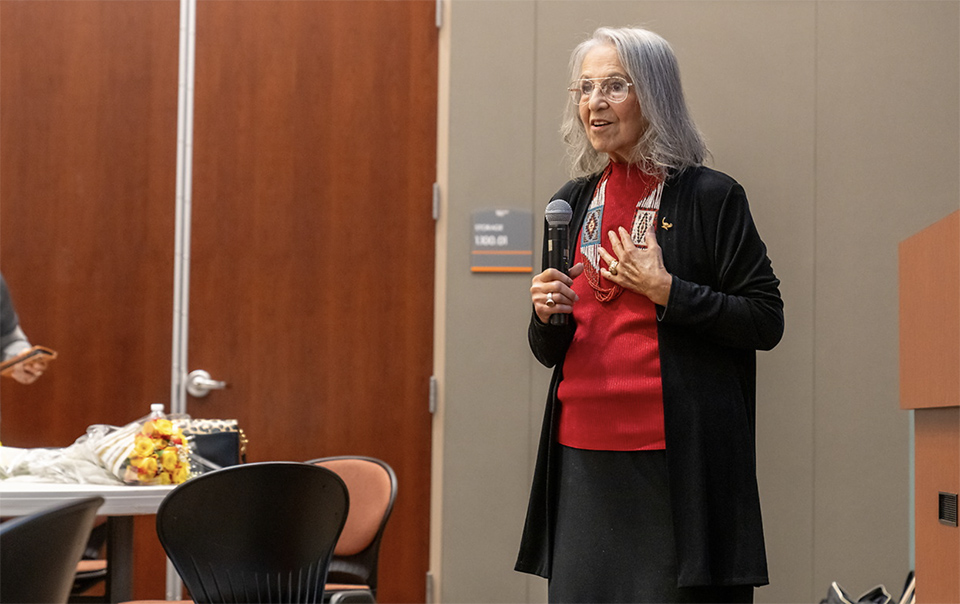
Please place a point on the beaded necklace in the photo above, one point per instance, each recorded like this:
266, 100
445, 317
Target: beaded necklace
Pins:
643, 218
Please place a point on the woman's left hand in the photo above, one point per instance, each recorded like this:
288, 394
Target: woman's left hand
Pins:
639, 270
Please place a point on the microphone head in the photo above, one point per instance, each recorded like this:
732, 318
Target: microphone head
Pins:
558, 213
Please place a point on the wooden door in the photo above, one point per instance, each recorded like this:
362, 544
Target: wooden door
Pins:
88, 118
312, 239
311, 288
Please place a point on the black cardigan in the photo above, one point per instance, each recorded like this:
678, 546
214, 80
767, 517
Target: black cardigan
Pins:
724, 305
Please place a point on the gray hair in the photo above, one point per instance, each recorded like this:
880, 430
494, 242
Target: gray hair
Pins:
671, 140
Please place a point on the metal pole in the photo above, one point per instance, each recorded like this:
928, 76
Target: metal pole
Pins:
181, 279
181, 263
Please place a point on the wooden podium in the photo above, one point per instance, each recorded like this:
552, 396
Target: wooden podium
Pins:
930, 384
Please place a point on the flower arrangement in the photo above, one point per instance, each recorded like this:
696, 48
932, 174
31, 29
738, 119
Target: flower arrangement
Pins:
160, 455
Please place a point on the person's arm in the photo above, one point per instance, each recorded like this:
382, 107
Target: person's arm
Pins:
13, 343
12, 339
744, 308
549, 342
26, 371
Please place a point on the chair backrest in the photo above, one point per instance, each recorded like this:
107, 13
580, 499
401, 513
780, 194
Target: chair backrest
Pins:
39, 552
258, 532
372, 484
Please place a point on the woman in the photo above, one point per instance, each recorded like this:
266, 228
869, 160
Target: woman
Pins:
645, 486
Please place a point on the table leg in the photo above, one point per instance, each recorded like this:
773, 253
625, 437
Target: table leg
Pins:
174, 586
119, 586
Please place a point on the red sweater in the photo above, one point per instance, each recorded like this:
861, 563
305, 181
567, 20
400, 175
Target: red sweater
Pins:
611, 395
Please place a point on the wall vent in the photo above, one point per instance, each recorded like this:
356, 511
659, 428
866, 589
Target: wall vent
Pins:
948, 509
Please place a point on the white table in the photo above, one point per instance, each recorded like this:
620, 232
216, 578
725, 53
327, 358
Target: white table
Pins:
121, 504
20, 498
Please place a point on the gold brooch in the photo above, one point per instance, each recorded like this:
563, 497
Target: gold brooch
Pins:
666, 225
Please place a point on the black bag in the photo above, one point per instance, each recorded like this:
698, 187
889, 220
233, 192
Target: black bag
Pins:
215, 443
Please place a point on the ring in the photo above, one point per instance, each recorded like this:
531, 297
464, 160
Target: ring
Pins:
550, 301
613, 267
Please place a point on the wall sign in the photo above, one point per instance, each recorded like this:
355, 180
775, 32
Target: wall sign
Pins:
502, 241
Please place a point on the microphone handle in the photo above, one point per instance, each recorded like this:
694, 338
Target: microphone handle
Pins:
558, 257
558, 254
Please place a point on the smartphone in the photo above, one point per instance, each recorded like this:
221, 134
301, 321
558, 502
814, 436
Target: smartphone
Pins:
7, 367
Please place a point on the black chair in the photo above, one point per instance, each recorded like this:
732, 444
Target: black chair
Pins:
92, 568
39, 552
259, 532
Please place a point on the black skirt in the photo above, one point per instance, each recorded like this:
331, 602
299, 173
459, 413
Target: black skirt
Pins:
613, 539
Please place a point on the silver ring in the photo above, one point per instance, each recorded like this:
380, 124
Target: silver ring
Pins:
613, 267
550, 301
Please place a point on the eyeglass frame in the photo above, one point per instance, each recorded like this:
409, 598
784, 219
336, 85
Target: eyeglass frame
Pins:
577, 90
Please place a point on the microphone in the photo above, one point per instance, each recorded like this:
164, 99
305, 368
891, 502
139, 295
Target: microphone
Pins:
558, 217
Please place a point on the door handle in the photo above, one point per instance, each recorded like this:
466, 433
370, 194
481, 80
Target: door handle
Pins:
199, 383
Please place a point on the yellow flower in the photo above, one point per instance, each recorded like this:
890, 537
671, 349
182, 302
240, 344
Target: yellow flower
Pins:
148, 466
181, 474
158, 455
169, 458
143, 447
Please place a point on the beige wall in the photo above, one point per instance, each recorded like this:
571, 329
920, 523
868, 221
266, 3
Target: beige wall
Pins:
842, 121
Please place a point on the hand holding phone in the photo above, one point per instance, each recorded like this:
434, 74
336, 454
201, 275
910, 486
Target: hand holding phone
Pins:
29, 365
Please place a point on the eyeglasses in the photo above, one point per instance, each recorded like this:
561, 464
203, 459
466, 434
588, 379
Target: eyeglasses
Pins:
614, 88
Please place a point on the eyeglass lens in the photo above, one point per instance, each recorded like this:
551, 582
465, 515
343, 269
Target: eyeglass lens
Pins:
614, 89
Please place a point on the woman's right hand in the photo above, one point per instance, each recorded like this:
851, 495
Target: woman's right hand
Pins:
552, 292
28, 371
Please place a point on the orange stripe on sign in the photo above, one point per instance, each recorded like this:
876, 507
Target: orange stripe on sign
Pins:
501, 269
502, 252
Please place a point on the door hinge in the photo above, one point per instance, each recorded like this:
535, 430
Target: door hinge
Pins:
439, 14
436, 201
433, 396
